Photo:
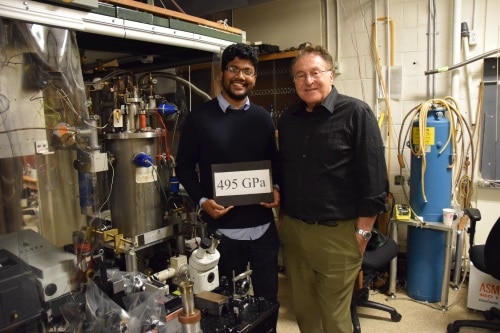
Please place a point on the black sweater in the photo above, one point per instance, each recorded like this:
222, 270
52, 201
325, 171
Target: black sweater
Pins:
211, 136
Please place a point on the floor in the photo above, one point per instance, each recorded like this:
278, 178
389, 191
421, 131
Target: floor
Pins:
417, 317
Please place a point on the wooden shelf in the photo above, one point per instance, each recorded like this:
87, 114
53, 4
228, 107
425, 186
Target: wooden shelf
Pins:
263, 57
274, 85
275, 56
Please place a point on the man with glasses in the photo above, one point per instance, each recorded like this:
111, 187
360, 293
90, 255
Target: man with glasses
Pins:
334, 185
230, 129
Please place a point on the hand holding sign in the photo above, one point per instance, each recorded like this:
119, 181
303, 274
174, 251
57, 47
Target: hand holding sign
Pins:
213, 209
276, 202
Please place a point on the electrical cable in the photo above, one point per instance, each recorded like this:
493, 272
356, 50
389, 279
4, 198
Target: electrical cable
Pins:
177, 6
463, 63
110, 188
160, 188
67, 101
25, 129
176, 126
112, 75
164, 134
354, 41
401, 155
382, 81
174, 77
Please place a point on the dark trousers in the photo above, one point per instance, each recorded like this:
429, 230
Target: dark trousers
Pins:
262, 254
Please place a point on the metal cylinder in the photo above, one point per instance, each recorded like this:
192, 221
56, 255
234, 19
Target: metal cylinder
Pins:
457, 270
181, 244
133, 108
131, 261
93, 137
189, 317
426, 248
135, 202
186, 288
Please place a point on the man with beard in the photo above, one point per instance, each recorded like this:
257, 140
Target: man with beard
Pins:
230, 129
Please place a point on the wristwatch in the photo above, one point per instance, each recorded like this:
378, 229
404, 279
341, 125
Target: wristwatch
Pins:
365, 234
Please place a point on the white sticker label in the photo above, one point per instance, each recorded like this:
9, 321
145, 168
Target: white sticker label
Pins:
145, 175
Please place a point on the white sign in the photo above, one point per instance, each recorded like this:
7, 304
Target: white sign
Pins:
242, 183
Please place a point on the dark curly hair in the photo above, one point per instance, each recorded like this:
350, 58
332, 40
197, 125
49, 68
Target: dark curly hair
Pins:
242, 51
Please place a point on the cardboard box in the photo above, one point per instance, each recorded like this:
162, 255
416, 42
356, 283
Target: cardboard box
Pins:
484, 290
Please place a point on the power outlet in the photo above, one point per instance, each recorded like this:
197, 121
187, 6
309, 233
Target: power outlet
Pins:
338, 68
473, 38
41, 147
399, 180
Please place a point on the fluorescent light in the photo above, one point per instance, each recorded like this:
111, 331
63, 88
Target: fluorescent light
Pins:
41, 13
168, 36
36, 12
103, 25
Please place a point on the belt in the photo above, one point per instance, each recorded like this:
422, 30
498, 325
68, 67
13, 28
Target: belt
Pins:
313, 222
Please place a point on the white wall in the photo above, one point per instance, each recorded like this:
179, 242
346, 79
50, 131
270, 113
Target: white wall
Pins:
289, 23
285, 23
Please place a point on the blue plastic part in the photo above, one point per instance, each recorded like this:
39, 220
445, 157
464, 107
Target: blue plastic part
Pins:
174, 185
167, 108
143, 160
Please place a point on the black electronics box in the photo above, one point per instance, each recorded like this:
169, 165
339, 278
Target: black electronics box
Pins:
266, 48
19, 299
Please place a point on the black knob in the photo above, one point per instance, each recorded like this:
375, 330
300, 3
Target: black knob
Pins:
205, 243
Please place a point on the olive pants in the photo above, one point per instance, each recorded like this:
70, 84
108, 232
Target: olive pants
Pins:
322, 263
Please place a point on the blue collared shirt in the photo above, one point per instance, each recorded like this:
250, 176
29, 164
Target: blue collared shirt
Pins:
224, 104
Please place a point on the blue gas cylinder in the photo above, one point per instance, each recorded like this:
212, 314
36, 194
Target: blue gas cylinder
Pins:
437, 178
426, 247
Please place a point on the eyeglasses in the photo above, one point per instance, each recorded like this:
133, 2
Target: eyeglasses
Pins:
237, 71
315, 75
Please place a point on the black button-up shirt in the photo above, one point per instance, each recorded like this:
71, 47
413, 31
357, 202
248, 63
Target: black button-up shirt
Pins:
333, 162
